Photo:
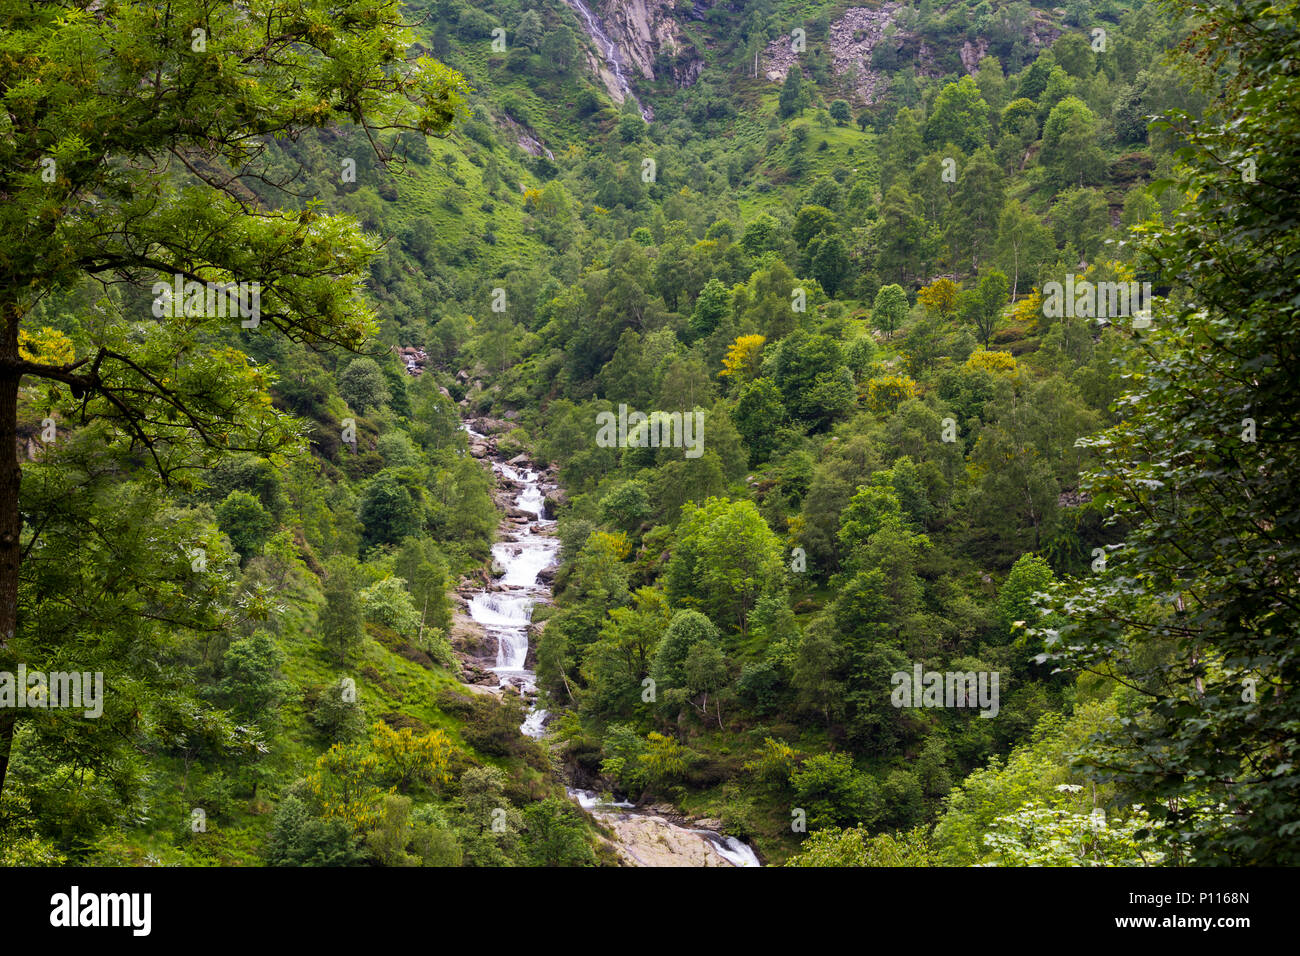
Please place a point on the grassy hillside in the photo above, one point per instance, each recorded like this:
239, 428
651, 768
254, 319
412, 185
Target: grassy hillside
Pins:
837, 256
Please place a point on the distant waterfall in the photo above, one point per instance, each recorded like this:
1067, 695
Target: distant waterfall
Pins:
608, 50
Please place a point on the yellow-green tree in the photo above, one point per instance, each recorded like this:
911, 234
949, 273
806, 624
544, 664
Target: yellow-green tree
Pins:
742, 357
939, 298
664, 760
343, 782
993, 362
408, 759
887, 392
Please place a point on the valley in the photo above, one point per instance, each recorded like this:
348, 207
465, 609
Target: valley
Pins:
648, 434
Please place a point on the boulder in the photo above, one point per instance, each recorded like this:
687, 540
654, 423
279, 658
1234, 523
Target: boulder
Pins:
474, 674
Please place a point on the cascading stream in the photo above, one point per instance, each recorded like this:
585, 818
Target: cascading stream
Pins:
505, 610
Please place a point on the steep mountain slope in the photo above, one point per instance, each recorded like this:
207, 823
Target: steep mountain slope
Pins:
823, 231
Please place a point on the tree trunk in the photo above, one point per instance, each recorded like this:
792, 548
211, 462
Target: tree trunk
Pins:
8, 723
11, 520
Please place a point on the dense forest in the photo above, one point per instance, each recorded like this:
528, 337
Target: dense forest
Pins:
858, 351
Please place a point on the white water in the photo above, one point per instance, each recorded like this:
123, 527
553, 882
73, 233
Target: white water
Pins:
734, 851
506, 609
590, 800
608, 49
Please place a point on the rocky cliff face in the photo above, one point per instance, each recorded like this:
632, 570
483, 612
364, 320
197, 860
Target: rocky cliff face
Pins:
648, 42
850, 43
645, 30
854, 36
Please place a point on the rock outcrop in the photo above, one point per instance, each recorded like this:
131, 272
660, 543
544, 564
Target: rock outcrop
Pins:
852, 38
850, 42
654, 841
647, 31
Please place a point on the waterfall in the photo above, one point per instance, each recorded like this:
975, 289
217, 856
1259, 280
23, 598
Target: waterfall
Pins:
506, 609
609, 51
